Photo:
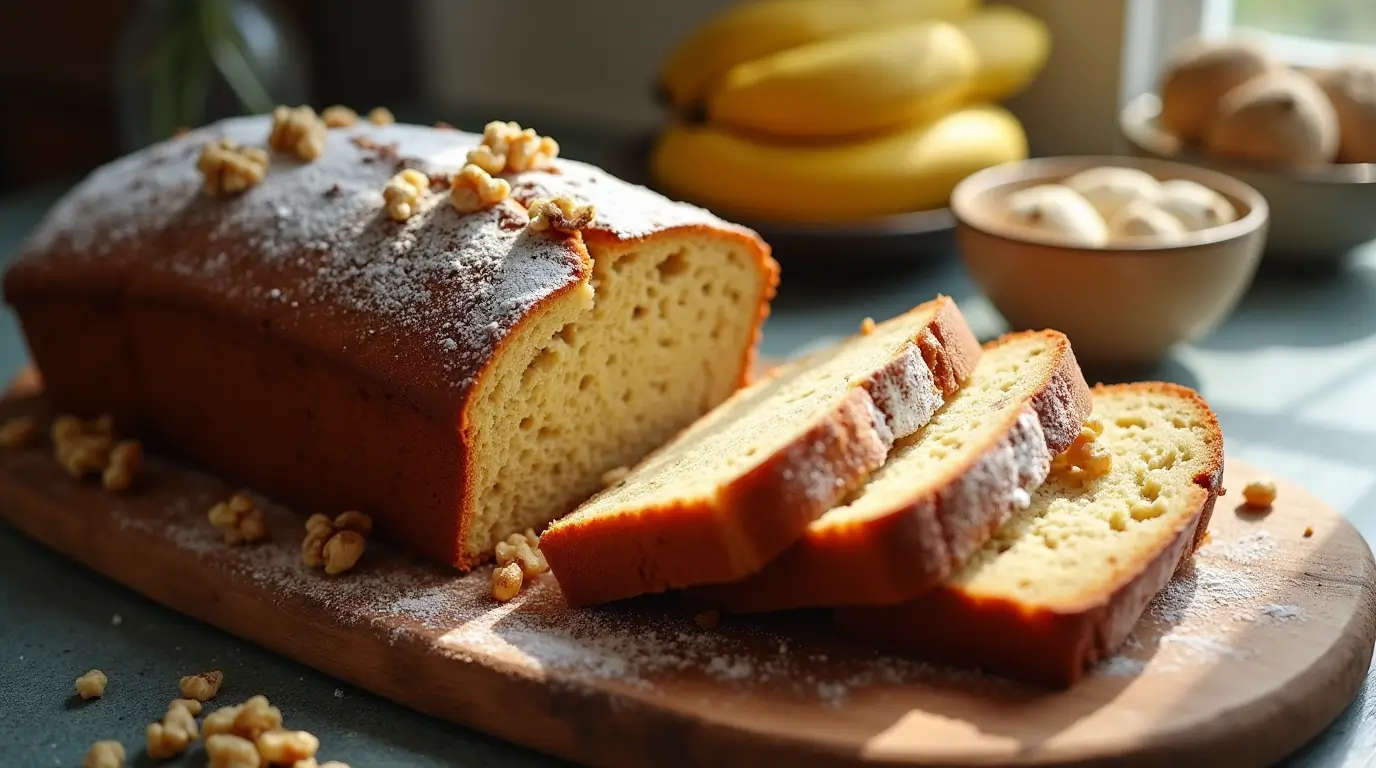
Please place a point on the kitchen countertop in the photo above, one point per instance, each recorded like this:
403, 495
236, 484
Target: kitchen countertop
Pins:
1291, 374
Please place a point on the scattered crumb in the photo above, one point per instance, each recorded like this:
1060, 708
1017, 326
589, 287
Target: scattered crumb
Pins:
92, 684
203, 686
1308, 531
1260, 493
867, 326
104, 754
116, 620
339, 693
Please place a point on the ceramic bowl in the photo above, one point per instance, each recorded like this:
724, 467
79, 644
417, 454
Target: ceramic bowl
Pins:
1318, 215
1120, 305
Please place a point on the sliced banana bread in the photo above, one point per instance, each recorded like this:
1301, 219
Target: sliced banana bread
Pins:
1062, 583
942, 492
740, 485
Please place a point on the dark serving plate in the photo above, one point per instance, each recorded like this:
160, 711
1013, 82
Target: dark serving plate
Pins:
895, 241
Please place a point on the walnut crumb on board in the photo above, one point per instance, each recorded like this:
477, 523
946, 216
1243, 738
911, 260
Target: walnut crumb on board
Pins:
124, 465
192, 705
92, 684
335, 544
522, 549
104, 754
239, 519
1308, 531
225, 750
202, 687
506, 582
171, 736
230, 169
18, 432
281, 747
1260, 493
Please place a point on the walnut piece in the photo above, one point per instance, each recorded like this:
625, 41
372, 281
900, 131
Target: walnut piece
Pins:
562, 214
335, 544
124, 465
202, 687
191, 705
508, 148
239, 519
353, 520
229, 169
519, 549
404, 192
92, 684
342, 551
483, 157
506, 582
299, 131
1260, 493
255, 716
221, 720
282, 746
104, 754
18, 432
225, 750
381, 116
339, 116
173, 734
474, 189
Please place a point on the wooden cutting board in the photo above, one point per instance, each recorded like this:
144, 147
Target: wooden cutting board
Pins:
1247, 655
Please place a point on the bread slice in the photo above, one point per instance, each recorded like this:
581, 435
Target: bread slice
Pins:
942, 492
739, 486
1062, 583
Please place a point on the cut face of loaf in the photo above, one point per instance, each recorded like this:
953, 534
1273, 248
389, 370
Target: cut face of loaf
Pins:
459, 376
941, 493
1061, 584
742, 483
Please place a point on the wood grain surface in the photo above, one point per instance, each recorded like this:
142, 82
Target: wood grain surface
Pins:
1252, 651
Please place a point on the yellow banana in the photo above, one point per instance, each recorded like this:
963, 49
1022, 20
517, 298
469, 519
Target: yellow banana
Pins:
858, 83
751, 30
913, 169
1012, 47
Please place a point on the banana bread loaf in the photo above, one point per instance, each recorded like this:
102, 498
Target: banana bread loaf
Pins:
460, 376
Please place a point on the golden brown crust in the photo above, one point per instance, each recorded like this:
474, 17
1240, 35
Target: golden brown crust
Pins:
295, 339
898, 556
1052, 646
600, 558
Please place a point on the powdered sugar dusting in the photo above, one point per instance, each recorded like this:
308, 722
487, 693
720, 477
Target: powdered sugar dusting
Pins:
536, 634
310, 255
1205, 613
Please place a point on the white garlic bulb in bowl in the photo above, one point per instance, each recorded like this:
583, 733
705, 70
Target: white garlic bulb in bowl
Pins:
1109, 188
1060, 210
1195, 205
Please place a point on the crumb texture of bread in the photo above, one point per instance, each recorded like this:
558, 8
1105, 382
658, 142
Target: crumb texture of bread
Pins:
942, 491
458, 376
1060, 585
742, 483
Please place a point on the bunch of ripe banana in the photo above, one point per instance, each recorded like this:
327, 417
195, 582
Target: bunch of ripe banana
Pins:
833, 110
